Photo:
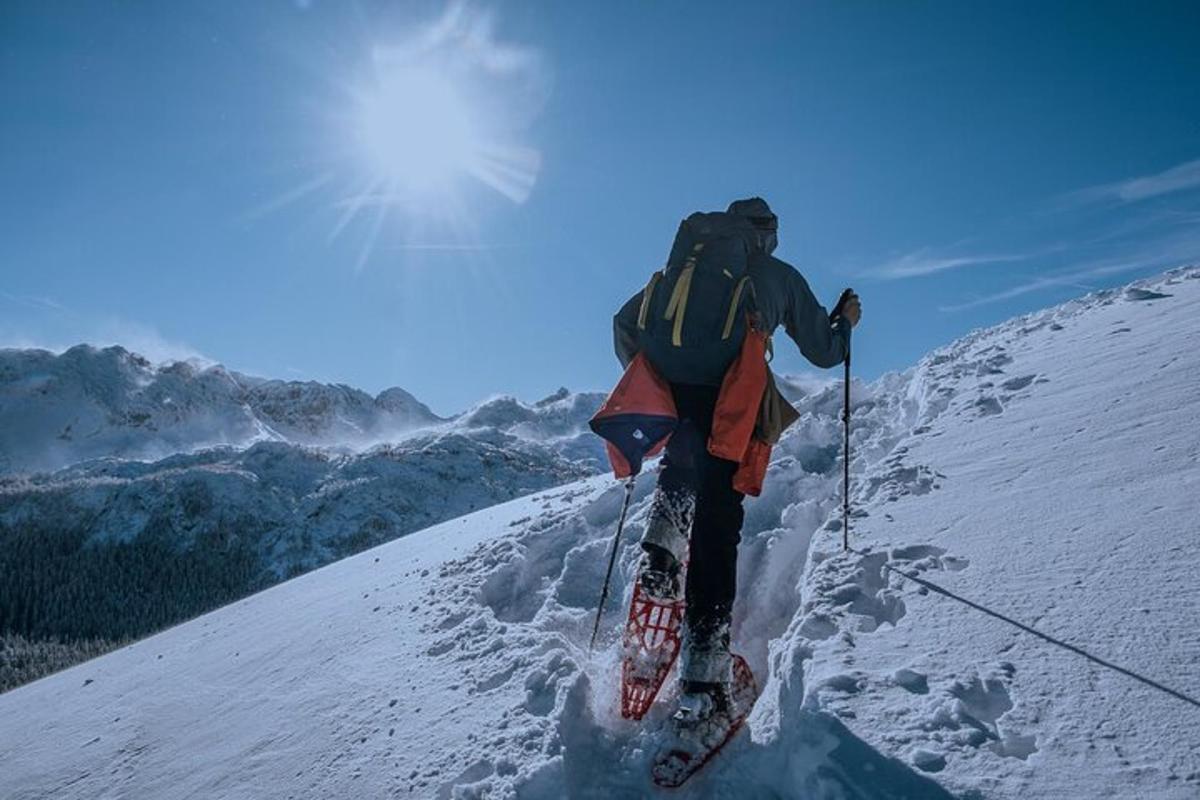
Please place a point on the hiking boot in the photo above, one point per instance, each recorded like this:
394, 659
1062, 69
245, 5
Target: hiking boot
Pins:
699, 702
659, 574
704, 715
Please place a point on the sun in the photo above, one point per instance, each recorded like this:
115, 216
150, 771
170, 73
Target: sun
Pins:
415, 132
423, 130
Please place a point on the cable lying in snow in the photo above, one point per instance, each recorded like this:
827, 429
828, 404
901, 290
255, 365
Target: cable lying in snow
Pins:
1046, 637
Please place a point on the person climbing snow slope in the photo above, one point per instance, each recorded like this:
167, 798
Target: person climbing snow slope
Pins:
721, 286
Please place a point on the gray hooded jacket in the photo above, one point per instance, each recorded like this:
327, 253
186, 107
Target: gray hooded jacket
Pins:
782, 297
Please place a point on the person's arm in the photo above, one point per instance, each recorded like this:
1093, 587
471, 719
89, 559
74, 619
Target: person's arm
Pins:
625, 330
822, 342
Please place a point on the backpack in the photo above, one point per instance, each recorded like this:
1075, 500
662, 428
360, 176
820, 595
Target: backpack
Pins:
693, 314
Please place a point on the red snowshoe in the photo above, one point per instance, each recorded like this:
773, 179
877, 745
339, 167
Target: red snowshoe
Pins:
650, 646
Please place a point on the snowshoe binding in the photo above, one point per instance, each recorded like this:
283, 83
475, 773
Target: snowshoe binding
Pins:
709, 716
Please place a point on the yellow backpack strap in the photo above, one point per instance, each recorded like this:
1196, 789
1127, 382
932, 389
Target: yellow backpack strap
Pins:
733, 307
678, 303
647, 295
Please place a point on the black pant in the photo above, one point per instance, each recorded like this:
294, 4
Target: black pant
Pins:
688, 468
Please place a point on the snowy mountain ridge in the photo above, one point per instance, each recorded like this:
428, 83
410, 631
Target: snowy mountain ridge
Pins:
1046, 467
181, 487
60, 409
86, 403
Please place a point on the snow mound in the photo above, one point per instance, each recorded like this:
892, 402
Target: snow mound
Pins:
1045, 468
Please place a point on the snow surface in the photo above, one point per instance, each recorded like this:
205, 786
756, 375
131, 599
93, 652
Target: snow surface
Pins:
1047, 468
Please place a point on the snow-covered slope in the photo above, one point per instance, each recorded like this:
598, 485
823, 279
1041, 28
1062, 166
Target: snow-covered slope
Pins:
1046, 468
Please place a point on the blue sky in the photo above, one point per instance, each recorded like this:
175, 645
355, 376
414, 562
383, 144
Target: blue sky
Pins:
198, 178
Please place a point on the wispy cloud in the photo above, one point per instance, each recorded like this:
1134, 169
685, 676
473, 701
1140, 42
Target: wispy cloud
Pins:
34, 302
926, 261
1160, 253
1179, 178
1075, 279
1121, 240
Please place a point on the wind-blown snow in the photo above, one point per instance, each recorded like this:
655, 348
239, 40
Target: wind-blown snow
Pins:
302, 472
57, 410
1046, 468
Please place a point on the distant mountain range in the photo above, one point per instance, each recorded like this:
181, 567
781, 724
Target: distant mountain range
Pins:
134, 495
60, 409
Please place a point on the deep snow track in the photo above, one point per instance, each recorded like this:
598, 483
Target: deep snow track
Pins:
1046, 467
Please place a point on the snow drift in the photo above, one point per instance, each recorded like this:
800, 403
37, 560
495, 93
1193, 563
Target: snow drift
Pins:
1046, 468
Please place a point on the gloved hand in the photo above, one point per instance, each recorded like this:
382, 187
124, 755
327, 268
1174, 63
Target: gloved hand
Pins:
849, 307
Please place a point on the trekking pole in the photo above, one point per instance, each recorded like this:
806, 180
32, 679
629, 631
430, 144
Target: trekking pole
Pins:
612, 559
837, 312
846, 459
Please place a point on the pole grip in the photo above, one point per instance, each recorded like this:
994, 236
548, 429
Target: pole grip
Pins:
847, 293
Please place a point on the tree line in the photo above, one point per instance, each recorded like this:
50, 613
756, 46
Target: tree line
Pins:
65, 597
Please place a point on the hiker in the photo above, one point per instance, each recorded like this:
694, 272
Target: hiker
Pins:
690, 334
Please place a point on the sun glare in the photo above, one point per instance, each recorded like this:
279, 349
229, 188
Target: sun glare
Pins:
416, 133
423, 121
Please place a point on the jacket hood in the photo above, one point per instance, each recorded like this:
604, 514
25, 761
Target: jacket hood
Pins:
756, 211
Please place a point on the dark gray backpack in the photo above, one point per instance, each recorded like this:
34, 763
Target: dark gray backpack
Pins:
693, 314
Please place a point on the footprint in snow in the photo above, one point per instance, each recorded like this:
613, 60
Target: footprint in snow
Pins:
1017, 384
440, 648
928, 761
992, 365
974, 708
916, 552
866, 595
541, 686
982, 701
1142, 295
845, 683
988, 406
911, 680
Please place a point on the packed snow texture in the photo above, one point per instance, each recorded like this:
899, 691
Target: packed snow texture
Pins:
1046, 468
